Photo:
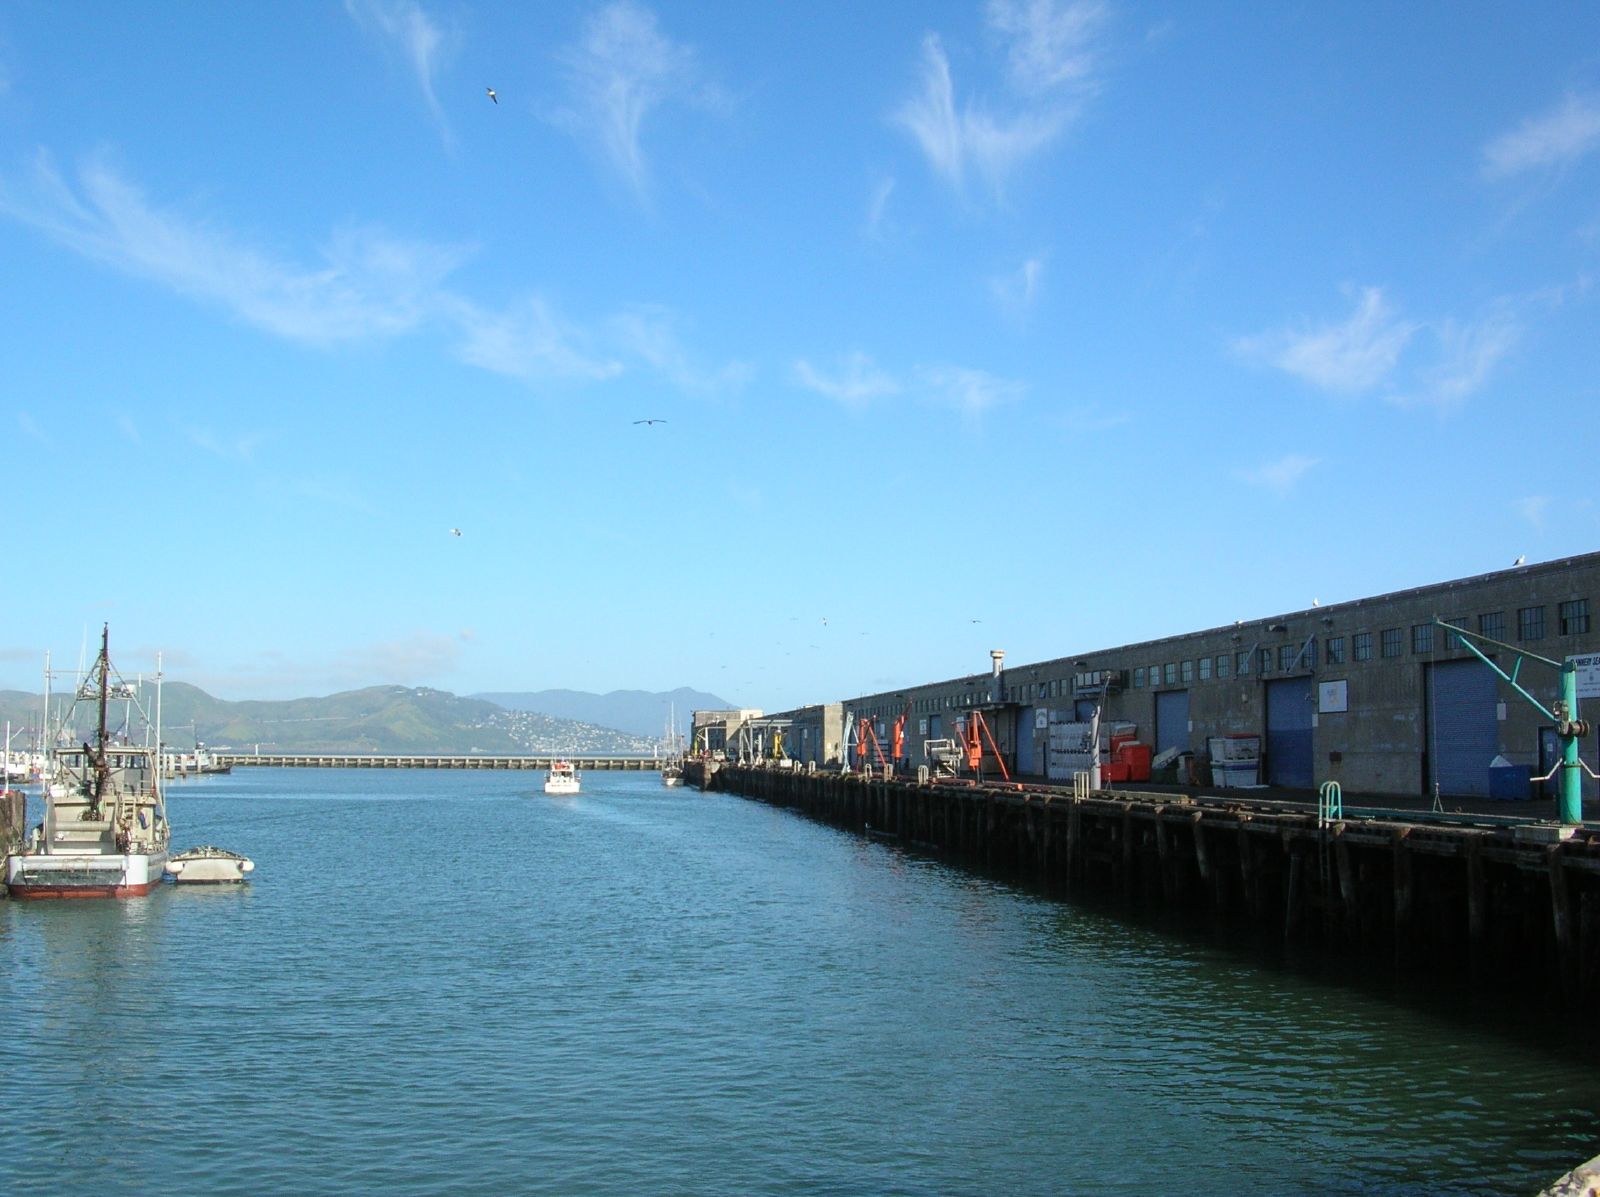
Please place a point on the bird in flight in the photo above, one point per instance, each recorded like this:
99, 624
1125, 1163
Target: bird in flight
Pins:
492, 96
1520, 559
455, 531
653, 420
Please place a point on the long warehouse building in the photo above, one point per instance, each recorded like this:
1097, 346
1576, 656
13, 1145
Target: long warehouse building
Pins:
1373, 694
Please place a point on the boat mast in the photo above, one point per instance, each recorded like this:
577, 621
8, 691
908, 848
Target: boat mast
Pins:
101, 768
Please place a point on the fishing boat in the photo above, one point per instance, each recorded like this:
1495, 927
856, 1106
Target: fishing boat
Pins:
105, 832
207, 865
562, 778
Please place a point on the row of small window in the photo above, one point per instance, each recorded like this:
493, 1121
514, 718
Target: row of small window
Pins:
1573, 620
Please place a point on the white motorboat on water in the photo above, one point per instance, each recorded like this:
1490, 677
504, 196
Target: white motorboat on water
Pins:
562, 778
206, 865
105, 832
672, 775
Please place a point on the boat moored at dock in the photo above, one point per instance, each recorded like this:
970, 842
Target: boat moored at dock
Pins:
104, 832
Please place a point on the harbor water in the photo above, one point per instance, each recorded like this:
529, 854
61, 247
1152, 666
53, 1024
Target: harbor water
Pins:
446, 982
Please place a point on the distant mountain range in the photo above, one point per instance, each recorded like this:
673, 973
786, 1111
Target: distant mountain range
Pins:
394, 719
641, 712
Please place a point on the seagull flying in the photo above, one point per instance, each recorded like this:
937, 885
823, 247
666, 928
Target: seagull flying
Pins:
655, 420
455, 531
1520, 559
492, 96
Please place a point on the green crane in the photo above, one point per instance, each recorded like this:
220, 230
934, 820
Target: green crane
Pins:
1564, 715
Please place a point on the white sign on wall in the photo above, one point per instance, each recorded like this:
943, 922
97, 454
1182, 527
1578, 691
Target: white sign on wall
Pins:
1588, 670
1041, 719
1333, 697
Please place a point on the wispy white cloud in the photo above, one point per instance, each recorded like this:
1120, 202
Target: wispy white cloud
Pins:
1565, 133
31, 428
1087, 421
855, 381
1050, 58
230, 448
971, 392
622, 69
650, 334
1017, 290
959, 143
1050, 45
1282, 475
405, 29
1410, 363
878, 206
1468, 354
529, 341
365, 286
1352, 356
1532, 508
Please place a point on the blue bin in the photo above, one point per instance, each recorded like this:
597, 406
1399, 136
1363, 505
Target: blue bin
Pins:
1510, 783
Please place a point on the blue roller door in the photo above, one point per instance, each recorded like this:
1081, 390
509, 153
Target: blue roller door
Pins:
1025, 740
1289, 733
1172, 720
1463, 734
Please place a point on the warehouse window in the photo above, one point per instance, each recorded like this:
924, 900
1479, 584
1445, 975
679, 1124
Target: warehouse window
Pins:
1169, 674
1222, 665
1493, 625
1286, 655
1265, 665
1530, 623
1138, 678
1574, 617
1205, 669
1421, 638
1242, 663
1335, 649
1361, 646
1188, 672
1391, 642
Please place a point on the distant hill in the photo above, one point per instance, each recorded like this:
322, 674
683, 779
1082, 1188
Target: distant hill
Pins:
639, 712
376, 719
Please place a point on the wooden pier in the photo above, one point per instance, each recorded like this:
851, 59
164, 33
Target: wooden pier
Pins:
1496, 904
347, 760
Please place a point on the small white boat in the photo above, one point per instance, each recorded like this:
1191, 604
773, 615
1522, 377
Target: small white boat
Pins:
206, 865
672, 775
561, 779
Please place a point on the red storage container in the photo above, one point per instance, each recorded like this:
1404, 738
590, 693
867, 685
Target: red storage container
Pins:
1135, 758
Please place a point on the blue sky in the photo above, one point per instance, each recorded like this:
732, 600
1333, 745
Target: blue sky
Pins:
1023, 325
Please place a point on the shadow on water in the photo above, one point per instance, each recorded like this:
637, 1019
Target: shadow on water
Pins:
1513, 1009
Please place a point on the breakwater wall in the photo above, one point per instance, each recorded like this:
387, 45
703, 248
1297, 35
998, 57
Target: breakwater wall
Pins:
1510, 905
348, 760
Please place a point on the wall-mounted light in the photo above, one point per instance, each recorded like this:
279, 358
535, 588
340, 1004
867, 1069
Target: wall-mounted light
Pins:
1277, 627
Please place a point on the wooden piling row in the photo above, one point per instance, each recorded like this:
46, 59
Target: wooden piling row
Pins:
1485, 902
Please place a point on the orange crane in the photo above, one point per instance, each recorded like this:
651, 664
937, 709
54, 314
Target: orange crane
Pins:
897, 737
865, 735
974, 731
